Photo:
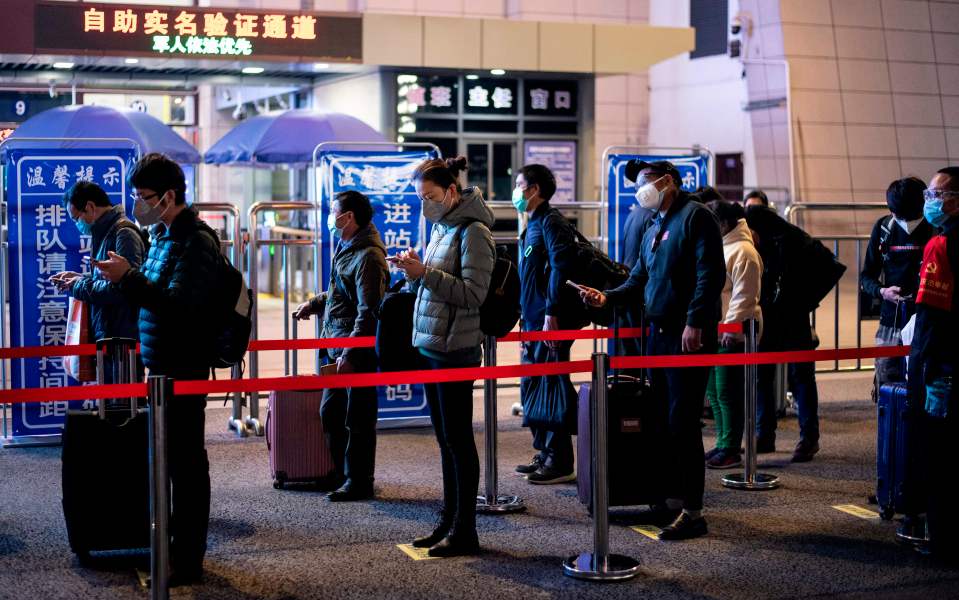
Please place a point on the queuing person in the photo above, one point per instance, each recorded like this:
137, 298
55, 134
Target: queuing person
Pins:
785, 309
548, 259
934, 361
890, 271
357, 284
174, 289
111, 315
756, 198
744, 271
451, 283
679, 276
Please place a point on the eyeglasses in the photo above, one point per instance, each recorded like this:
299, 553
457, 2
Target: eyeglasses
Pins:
930, 195
147, 197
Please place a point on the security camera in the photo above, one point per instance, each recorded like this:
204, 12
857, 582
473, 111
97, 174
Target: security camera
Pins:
735, 28
239, 113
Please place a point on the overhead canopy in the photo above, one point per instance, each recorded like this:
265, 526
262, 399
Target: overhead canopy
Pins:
287, 137
82, 121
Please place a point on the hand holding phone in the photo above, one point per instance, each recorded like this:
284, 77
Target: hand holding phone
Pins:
576, 286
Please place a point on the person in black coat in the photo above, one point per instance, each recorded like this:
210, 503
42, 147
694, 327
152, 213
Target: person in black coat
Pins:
174, 289
786, 305
631, 315
890, 271
111, 314
548, 258
679, 276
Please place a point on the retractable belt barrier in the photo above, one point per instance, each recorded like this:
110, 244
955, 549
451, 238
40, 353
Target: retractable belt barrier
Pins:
355, 342
312, 382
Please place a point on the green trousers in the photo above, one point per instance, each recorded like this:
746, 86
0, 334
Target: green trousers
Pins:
726, 394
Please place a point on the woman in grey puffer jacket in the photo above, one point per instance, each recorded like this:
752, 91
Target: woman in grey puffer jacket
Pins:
451, 285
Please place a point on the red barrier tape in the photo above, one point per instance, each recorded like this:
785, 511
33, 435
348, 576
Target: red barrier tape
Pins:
312, 382
41, 351
358, 342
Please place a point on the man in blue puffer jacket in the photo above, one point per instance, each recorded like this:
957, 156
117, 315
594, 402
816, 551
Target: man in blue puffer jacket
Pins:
175, 290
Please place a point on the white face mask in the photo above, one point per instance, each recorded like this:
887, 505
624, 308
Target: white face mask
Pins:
909, 226
649, 197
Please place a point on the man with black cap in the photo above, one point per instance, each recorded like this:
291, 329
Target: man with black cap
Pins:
679, 276
890, 272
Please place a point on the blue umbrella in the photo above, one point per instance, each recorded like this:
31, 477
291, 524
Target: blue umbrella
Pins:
86, 121
287, 137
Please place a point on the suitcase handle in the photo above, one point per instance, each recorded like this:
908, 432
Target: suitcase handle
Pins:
293, 333
267, 426
123, 355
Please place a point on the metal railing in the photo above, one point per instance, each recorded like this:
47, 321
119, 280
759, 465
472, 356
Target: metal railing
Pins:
253, 420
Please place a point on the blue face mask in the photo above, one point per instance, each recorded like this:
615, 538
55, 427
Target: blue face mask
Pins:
519, 199
83, 227
933, 212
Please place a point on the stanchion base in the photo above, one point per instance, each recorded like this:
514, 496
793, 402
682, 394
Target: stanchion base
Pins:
618, 567
911, 536
762, 481
503, 504
237, 426
255, 425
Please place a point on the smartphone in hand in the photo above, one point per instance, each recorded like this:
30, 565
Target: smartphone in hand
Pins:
576, 286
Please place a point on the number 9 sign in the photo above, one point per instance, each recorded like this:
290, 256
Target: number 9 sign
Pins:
20, 108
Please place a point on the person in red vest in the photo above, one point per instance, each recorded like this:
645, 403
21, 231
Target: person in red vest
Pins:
934, 361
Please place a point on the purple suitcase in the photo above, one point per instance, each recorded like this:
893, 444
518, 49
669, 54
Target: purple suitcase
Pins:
295, 438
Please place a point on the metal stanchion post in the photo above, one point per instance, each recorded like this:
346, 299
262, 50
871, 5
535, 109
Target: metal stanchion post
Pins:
492, 502
158, 388
600, 565
750, 479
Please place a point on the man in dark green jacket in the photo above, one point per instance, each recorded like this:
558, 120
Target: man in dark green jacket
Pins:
357, 284
679, 275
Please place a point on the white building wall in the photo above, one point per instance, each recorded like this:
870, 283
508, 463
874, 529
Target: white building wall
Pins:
699, 101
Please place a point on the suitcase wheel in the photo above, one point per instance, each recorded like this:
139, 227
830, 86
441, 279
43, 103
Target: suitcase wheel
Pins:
277, 484
886, 514
83, 557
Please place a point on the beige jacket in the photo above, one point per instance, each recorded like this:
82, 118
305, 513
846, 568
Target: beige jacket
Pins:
744, 270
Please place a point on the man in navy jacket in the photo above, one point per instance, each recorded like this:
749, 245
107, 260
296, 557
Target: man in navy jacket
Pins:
679, 276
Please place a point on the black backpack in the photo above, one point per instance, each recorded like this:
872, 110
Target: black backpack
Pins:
394, 330
500, 311
232, 306
595, 269
870, 307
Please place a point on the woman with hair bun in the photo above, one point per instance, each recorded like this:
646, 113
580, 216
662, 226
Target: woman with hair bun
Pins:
451, 284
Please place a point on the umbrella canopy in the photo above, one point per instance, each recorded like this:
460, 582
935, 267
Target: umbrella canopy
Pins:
86, 121
287, 137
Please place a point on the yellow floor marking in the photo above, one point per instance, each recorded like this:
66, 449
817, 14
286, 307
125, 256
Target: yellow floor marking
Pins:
650, 531
416, 553
857, 511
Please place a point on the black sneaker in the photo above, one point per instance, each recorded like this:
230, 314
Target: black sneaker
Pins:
765, 446
659, 515
712, 453
351, 493
546, 475
684, 528
532, 467
725, 459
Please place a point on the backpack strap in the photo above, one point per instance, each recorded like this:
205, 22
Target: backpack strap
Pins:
886, 228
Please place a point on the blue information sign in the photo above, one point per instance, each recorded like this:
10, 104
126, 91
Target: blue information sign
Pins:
621, 193
44, 241
386, 178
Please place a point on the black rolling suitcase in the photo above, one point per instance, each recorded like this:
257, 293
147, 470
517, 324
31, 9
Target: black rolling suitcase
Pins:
636, 439
106, 488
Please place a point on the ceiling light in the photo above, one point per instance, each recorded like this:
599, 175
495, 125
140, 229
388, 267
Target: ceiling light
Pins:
63, 65
131, 61
471, 76
497, 72
252, 70
320, 66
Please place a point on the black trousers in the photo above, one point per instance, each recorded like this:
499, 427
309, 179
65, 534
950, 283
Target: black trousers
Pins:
683, 390
190, 481
941, 516
451, 411
349, 421
555, 447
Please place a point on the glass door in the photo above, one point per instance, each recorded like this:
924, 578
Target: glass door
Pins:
491, 168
